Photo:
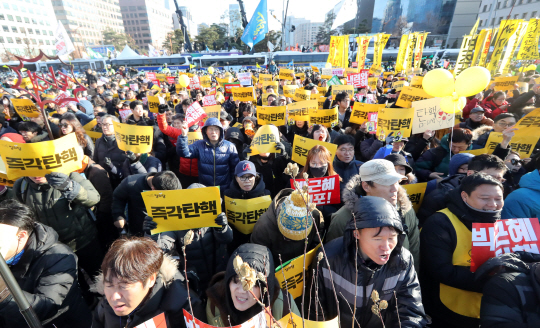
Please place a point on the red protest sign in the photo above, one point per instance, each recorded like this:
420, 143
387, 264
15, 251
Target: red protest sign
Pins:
170, 79
358, 80
257, 321
212, 91
194, 113
229, 86
194, 83
209, 101
504, 236
322, 191
151, 76
124, 114
354, 64
158, 321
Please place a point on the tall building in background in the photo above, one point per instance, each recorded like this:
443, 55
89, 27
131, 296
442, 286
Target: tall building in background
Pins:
235, 18
86, 21
306, 34
147, 22
290, 35
26, 28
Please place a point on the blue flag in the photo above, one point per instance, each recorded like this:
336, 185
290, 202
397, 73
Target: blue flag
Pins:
257, 28
291, 63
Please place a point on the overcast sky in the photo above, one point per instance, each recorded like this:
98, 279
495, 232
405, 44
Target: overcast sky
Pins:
209, 11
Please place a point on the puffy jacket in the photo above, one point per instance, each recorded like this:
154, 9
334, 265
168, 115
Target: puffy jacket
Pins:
86, 116
434, 160
146, 164
71, 219
524, 202
351, 193
216, 163
369, 147
470, 105
47, 274
436, 199
346, 170
489, 106
511, 298
397, 275
471, 125
89, 149
144, 121
106, 146
438, 244
169, 296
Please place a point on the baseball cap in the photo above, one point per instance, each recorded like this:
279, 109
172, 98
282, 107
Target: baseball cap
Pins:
380, 171
477, 109
245, 167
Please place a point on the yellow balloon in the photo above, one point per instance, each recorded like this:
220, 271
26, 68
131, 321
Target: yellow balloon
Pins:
328, 65
472, 80
531, 67
450, 106
183, 80
438, 83
210, 70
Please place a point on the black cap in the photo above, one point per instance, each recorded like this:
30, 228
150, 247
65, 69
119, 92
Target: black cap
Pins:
398, 159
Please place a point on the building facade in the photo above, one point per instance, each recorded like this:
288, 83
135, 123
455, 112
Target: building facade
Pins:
26, 28
147, 22
491, 12
85, 21
306, 34
235, 18
289, 38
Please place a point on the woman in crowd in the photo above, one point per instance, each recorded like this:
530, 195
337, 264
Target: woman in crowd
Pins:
298, 128
70, 124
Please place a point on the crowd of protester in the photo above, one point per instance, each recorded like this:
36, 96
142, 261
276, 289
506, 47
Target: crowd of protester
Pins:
85, 256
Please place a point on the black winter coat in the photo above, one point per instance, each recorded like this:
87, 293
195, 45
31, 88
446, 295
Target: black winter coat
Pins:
109, 149
47, 274
89, 149
436, 200
272, 172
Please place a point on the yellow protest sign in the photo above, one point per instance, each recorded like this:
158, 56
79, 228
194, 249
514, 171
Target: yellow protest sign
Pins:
379, 42
338, 53
376, 70
416, 193
38, 159
94, 135
135, 138
397, 120
410, 94
5, 181
322, 90
153, 103
485, 47
523, 87
243, 94
507, 28
271, 115
301, 147
416, 82
299, 111
292, 320
350, 70
289, 90
179, 88
409, 52
273, 84
183, 209
301, 75
326, 117
529, 46
25, 107
465, 55
372, 82
360, 112
530, 122
475, 152
223, 81
206, 81
290, 274
478, 48
212, 111
505, 83
194, 136
155, 87
302, 95
320, 102
265, 140
90, 125
244, 213
342, 88
315, 69
265, 78
398, 85
511, 47
286, 74
522, 142
161, 77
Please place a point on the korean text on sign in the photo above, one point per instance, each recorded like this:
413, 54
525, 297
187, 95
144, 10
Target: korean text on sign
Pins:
135, 138
194, 113
504, 236
244, 213
183, 209
290, 275
301, 147
322, 191
358, 80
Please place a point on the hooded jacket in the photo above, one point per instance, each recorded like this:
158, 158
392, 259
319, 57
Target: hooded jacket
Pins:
351, 194
354, 283
512, 298
47, 274
346, 170
524, 202
216, 163
70, 218
438, 244
88, 115
266, 232
169, 296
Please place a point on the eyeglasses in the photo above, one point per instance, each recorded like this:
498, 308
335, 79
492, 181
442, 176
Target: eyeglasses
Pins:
517, 161
346, 150
505, 125
106, 124
246, 177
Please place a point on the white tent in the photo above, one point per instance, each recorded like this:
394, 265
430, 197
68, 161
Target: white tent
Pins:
128, 53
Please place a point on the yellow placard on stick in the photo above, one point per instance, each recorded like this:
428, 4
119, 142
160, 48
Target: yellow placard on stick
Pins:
25, 107
416, 82
265, 78
326, 117
194, 136
38, 159
273, 84
302, 95
522, 142
90, 125
530, 122
289, 90
372, 82
301, 147
299, 111
183, 209
244, 213
342, 88
265, 140
286, 74
206, 81
360, 112
505, 83
290, 275
135, 138
153, 104
397, 120
243, 94
271, 115
94, 135
416, 192
410, 94
212, 111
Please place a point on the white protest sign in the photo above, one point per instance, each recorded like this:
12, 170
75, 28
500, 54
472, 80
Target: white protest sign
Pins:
428, 115
244, 78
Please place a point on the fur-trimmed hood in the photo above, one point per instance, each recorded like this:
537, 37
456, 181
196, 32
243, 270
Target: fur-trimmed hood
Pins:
480, 131
168, 272
351, 193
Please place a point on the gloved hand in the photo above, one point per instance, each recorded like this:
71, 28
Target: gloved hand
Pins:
221, 220
149, 223
109, 166
280, 146
58, 181
390, 139
162, 109
131, 156
246, 152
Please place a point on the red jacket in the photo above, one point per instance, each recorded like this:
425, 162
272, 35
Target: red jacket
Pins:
491, 108
188, 166
470, 105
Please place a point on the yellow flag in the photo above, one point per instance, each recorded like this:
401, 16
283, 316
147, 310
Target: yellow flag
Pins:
465, 55
512, 46
507, 28
271, 115
396, 120
363, 43
485, 47
478, 47
299, 111
419, 49
409, 53
184, 209
244, 213
379, 43
301, 147
401, 52
25, 107
135, 138
290, 276
338, 54
257, 65
38, 159
529, 46
416, 192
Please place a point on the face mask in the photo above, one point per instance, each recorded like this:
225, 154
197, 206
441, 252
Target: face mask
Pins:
318, 172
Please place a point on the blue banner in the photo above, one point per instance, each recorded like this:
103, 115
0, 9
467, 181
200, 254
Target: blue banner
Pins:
257, 28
